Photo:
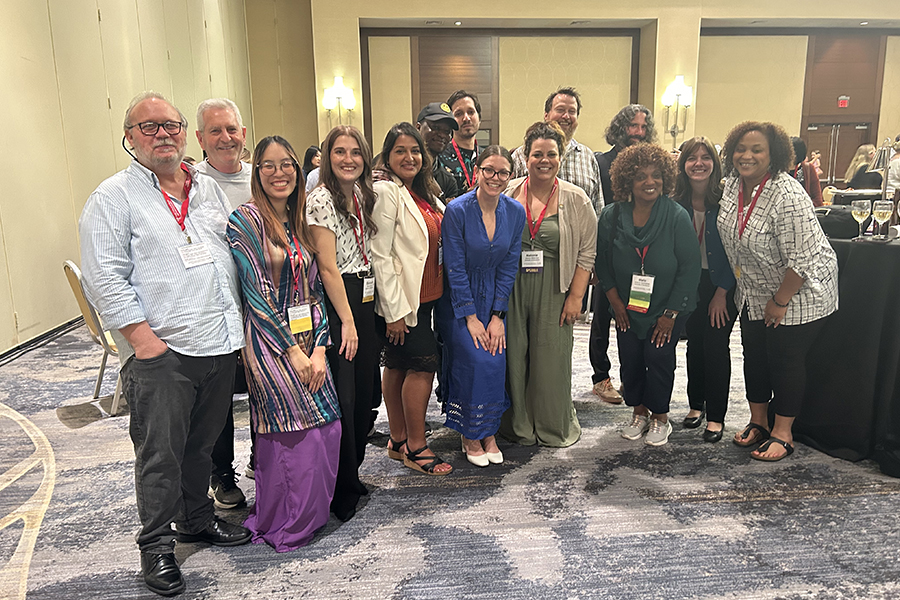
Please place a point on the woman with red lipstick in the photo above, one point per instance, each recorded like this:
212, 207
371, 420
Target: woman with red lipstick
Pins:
698, 188
482, 233
409, 277
649, 267
786, 275
339, 213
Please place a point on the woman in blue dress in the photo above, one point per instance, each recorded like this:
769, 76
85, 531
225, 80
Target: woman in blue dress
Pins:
482, 233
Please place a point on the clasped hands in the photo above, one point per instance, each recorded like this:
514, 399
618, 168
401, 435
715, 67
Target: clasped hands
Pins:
491, 339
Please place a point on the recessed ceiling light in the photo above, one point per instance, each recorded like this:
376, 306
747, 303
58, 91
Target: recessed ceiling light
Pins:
864, 23
458, 23
434, 22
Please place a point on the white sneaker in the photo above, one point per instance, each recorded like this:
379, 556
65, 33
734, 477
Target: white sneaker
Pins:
637, 428
658, 433
605, 390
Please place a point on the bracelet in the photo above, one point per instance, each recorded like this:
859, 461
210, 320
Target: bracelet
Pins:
779, 305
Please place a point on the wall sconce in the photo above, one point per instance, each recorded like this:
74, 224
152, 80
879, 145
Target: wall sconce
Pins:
337, 96
677, 94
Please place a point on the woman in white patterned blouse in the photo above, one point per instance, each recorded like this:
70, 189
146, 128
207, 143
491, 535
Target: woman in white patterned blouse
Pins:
786, 278
339, 213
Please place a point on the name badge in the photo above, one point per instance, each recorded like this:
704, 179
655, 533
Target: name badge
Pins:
194, 255
368, 289
440, 254
532, 261
300, 318
641, 289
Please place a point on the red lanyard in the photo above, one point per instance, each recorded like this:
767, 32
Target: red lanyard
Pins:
702, 228
180, 217
534, 227
361, 235
469, 178
642, 255
742, 221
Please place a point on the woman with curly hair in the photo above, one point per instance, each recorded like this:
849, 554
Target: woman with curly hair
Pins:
648, 263
699, 189
786, 275
557, 254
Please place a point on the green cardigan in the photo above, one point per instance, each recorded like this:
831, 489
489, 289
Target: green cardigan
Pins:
673, 257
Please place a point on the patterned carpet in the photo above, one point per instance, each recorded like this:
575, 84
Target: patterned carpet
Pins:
606, 518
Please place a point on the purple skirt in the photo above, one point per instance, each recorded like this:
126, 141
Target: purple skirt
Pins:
295, 474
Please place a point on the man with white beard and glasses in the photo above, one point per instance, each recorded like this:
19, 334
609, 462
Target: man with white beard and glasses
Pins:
158, 268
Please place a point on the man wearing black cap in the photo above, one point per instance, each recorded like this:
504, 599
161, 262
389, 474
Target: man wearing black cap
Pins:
436, 124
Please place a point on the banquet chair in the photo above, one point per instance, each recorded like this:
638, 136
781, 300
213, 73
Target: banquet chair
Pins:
98, 333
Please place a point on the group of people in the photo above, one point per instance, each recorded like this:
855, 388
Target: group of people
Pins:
433, 256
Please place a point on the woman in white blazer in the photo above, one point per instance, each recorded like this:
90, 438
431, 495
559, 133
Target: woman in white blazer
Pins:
408, 264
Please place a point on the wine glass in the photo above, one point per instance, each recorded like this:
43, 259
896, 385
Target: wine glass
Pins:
881, 212
860, 211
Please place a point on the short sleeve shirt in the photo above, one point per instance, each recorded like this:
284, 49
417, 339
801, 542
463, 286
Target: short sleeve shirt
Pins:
320, 211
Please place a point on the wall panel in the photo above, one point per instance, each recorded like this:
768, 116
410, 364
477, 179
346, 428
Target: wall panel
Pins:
598, 67
390, 85
120, 37
36, 205
265, 82
83, 95
889, 122
731, 89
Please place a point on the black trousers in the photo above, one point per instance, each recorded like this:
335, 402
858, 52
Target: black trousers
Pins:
223, 451
708, 357
648, 372
598, 344
178, 405
358, 384
775, 362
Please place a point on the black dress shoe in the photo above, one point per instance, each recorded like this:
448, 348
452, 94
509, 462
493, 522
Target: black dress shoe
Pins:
693, 422
713, 436
161, 574
217, 533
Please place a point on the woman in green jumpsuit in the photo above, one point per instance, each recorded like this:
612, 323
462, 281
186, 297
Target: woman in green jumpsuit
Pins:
558, 246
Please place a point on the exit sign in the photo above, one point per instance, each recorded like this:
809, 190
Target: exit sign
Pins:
843, 101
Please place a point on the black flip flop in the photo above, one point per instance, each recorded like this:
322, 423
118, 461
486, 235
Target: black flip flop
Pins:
764, 447
746, 434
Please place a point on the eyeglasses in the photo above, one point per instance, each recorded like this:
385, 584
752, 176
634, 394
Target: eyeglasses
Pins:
268, 168
501, 175
151, 128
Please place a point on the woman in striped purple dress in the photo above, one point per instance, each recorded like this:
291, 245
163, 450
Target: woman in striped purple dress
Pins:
293, 404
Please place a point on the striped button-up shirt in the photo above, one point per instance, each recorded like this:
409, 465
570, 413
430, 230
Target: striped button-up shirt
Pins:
782, 233
133, 270
578, 166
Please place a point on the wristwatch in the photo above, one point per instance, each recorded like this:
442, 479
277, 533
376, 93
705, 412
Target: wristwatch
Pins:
499, 313
670, 314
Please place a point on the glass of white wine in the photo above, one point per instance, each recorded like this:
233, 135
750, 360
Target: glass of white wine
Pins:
881, 212
860, 211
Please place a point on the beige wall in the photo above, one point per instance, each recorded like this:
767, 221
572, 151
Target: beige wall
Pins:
677, 26
598, 67
889, 121
390, 85
68, 78
733, 89
279, 37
